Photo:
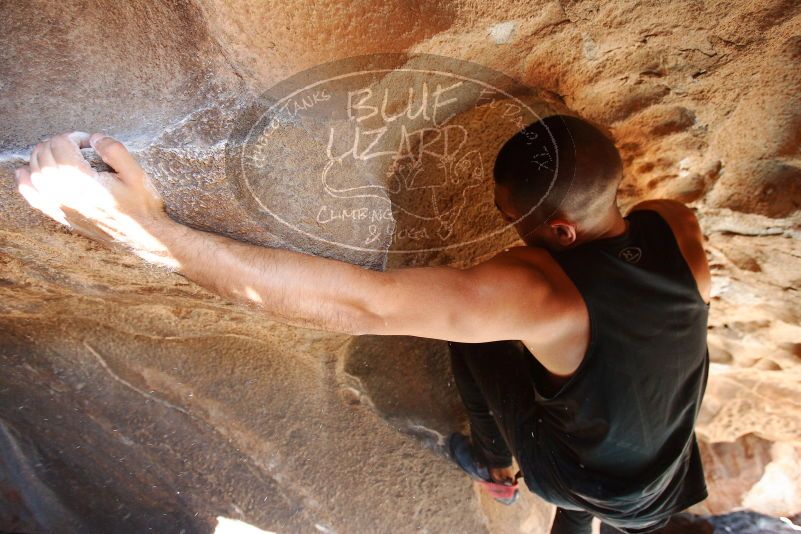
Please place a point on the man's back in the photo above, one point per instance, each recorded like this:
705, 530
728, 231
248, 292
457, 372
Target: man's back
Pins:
616, 438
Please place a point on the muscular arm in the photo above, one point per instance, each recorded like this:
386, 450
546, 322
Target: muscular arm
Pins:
507, 297
495, 300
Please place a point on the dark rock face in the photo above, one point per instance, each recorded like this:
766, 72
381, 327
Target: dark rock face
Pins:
131, 400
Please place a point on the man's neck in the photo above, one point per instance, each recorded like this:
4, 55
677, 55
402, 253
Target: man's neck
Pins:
610, 225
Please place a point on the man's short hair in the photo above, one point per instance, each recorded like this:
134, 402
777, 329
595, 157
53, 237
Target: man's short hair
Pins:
560, 165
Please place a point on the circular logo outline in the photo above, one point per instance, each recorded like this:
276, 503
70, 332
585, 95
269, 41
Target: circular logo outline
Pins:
258, 107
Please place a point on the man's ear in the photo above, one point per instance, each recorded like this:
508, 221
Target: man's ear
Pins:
563, 231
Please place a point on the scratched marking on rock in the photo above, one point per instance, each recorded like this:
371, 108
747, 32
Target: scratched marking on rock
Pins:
369, 157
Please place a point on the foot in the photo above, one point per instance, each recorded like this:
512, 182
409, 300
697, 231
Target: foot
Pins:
503, 475
502, 486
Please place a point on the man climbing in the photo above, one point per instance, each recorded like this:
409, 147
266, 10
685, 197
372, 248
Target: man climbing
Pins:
581, 354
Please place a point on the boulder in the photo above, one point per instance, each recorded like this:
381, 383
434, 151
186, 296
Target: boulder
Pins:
133, 400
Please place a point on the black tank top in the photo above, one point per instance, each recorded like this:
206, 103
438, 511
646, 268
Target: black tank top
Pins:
617, 439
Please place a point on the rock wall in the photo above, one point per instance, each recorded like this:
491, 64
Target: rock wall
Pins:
131, 399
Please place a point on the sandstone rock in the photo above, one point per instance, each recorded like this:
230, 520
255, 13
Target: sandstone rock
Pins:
131, 399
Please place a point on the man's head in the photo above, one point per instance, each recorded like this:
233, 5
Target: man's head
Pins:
555, 179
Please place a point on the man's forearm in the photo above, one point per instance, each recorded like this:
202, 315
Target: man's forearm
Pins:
290, 287
123, 207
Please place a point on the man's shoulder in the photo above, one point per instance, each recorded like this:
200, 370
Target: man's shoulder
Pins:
688, 235
561, 340
536, 258
535, 272
680, 219
674, 212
